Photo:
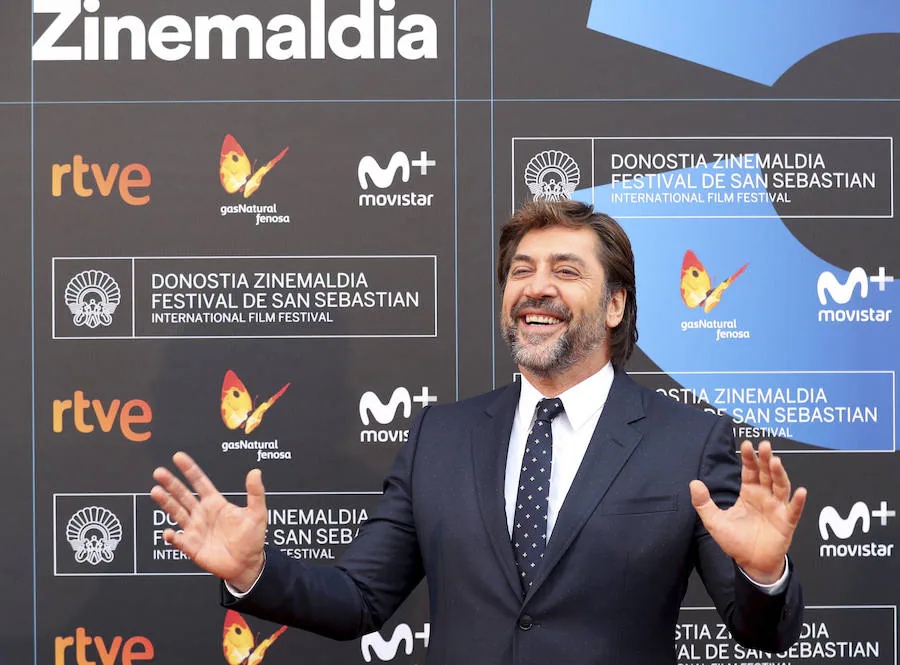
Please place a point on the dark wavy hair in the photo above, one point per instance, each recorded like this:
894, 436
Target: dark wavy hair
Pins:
614, 253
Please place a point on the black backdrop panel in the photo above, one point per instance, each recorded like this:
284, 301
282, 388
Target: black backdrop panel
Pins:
296, 205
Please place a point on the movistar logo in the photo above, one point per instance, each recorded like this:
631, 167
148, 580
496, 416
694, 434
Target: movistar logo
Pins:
842, 527
374, 32
384, 650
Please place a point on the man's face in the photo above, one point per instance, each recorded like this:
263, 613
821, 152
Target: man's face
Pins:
555, 307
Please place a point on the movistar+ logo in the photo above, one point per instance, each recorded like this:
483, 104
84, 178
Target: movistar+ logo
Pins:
860, 517
371, 407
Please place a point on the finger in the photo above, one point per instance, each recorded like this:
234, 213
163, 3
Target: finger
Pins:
179, 541
749, 464
194, 474
173, 509
765, 461
256, 493
703, 503
795, 507
176, 489
781, 483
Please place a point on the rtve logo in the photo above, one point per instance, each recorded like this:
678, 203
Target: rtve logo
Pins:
828, 286
385, 650
369, 171
87, 650
371, 406
84, 179
84, 413
843, 528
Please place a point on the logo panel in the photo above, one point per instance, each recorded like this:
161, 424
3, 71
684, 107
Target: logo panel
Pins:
130, 183
94, 535
380, 418
399, 169
849, 537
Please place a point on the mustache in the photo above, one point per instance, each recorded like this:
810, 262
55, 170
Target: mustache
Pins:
544, 305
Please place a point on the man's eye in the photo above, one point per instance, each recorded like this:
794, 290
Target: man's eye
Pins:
567, 272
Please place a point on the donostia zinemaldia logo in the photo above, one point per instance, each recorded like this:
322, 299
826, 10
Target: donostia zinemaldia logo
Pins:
94, 533
92, 296
552, 175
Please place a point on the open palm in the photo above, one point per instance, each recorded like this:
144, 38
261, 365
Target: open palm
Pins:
220, 537
757, 530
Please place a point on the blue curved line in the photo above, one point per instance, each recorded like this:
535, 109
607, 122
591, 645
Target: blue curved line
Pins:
774, 300
757, 40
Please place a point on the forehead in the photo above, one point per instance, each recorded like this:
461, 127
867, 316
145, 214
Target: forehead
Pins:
555, 241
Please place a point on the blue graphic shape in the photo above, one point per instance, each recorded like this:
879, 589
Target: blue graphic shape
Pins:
775, 300
757, 40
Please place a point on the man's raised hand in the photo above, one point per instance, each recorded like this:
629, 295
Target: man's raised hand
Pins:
220, 537
757, 530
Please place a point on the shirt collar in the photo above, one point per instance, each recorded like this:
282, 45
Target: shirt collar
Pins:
581, 401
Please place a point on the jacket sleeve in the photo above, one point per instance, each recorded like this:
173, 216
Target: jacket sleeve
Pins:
757, 620
358, 594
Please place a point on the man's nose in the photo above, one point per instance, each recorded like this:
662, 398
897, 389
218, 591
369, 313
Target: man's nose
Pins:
540, 285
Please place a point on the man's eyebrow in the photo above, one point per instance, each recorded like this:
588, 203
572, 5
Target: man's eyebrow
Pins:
567, 258
554, 258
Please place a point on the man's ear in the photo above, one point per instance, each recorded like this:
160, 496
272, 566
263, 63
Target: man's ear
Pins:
615, 308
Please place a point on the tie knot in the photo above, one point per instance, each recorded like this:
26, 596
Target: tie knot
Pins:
548, 409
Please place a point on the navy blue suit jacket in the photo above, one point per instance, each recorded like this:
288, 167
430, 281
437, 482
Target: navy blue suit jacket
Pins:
615, 570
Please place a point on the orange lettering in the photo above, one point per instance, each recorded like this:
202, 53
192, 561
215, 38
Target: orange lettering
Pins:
131, 180
105, 184
81, 404
108, 656
134, 412
126, 184
59, 170
107, 419
129, 417
134, 649
82, 642
129, 654
59, 408
79, 168
62, 643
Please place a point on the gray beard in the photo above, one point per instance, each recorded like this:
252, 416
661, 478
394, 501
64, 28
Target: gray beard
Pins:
546, 358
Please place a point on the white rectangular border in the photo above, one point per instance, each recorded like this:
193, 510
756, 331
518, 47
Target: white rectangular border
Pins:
816, 371
134, 259
830, 607
593, 139
134, 497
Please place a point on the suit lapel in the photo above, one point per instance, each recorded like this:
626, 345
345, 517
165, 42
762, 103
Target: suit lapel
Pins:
611, 445
490, 443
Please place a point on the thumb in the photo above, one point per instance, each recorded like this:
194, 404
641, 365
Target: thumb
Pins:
703, 503
256, 493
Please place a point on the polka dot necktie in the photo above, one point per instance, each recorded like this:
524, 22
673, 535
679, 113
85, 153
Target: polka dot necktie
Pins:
529, 532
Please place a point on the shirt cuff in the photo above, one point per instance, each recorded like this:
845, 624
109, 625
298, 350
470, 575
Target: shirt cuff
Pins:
774, 588
240, 594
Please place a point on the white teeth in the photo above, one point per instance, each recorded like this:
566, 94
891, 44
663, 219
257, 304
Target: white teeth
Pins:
538, 318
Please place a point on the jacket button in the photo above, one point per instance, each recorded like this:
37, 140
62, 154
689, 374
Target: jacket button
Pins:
525, 622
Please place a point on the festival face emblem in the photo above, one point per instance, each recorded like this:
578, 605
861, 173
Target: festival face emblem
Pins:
237, 405
238, 643
235, 170
696, 285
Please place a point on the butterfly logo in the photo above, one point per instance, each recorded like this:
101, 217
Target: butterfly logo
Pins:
237, 406
696, 286
235, 170
239, 644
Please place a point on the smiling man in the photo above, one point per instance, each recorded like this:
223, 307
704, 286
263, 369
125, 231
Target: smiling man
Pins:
558, 519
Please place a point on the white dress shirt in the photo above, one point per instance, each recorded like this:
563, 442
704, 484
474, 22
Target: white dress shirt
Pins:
572, 430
